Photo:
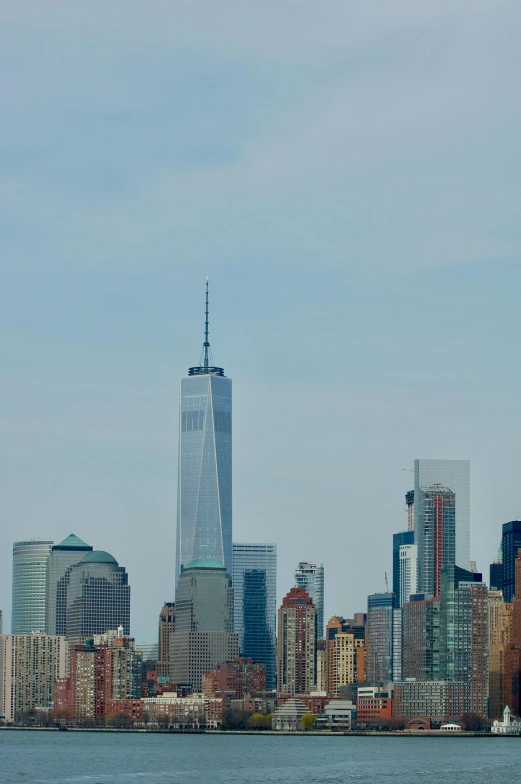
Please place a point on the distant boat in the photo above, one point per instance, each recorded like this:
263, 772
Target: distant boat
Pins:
63, 729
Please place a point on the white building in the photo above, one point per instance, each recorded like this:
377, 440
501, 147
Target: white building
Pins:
408, 572
508, 726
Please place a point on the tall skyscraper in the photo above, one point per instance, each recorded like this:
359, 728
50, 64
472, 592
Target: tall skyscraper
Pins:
203, 633
435, 535
30, 560
63, 555
499, 640
310, 577
464, 634
421, 638
204, 494
454, 474
399, 539
408, 572
379, 637
511, 542
166, 630
297, 644
255, 603
98, 597
343, 643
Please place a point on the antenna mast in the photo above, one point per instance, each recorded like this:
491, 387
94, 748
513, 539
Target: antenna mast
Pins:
206, 343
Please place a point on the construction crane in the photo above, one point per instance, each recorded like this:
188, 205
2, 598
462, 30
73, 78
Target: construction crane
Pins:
386, 583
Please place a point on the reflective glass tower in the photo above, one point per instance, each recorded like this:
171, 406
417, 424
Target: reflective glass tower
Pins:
204, 493
63, 555
454, 474
30, 560
255, 603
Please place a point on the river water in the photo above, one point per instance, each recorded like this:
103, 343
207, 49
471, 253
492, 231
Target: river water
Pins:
118, 758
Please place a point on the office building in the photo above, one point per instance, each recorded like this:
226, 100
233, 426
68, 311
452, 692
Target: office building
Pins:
30, 559
453, 474
421, 638
203, 633
204, 496
255, 603
98, 597
435, 535
296, 644
499, 640
166, 629
400, 539
464, 634
310, 577
510, 544
62, 555
29, 666
379, 637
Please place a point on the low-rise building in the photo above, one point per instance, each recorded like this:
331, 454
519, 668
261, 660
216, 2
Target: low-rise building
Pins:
287, 718
170, 710
509, 725
340, 715
444, 700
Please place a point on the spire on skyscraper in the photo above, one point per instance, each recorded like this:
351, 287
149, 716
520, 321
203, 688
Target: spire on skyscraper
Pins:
206, 365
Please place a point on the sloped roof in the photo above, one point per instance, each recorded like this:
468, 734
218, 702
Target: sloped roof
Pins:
72, 542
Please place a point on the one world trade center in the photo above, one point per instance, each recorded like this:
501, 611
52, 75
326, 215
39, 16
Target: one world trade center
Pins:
204, 492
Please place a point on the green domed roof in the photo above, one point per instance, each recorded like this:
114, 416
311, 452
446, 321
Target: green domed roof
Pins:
98, 556
205, 563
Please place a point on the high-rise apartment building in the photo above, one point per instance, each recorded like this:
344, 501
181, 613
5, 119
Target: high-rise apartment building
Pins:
62, 555
343, 643
435, 535
513, 651
379, 637
454, 474
204, 495
399, 539
166, 630
464, 634
296, 644
408, 572
30, 559
421, 638
255, 603
29, 666
98, 597
235, 680
511, 543
310, 577
203, 633
499, 640
1, 623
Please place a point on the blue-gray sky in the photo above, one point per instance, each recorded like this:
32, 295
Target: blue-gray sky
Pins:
349, 176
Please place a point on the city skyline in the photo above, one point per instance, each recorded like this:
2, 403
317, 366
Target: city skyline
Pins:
348, 179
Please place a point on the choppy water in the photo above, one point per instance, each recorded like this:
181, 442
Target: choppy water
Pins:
103, 758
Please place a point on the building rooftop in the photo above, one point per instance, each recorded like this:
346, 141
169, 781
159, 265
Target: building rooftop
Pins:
98, 556
72, 542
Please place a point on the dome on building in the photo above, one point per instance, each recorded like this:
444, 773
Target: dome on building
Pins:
98, 556
205, 563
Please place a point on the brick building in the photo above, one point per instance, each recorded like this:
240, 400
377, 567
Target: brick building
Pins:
235, 679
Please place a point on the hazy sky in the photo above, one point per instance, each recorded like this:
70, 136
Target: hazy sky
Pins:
349, 175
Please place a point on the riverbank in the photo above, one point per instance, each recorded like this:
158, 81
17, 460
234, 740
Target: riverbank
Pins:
270, 733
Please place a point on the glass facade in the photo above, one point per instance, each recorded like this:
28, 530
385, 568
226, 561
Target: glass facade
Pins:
98, 597
204, 497
255, 603
311, 577
511, 542
379, 638
30, 559
408, 572
435, 534
454, 474
63, 555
